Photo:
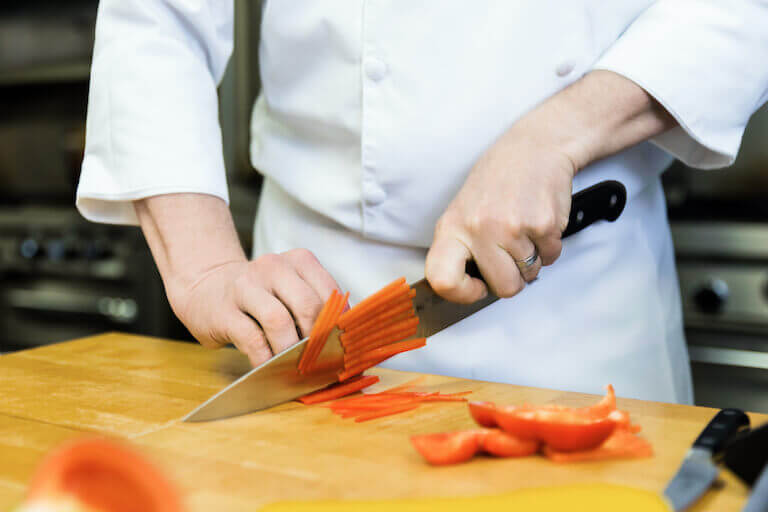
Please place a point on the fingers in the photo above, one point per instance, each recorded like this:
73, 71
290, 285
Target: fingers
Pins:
444, 269
271, 314
310, 270
244, 334
302, 301
521, 250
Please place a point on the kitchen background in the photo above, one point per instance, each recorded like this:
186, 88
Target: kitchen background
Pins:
62, 277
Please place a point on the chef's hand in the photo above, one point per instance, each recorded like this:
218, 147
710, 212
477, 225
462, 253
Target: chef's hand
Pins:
262, 306
517, 196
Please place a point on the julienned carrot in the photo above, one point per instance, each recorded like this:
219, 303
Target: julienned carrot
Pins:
405, 305
308, 349
322, 328
393, 299
380, 342
408, 323
346, 373
396, 409
388, 350
393, 289
406, 385
339, 390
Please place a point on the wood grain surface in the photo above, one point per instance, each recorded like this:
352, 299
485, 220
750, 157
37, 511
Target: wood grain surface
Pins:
137, 388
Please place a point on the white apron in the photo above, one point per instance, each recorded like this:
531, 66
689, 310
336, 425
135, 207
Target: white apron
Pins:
372, 114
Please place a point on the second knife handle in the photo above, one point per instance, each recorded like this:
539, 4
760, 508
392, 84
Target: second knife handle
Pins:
721, 429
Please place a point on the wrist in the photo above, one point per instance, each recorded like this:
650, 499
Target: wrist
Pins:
599, 115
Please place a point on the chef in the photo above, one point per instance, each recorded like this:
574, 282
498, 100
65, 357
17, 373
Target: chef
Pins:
405, 138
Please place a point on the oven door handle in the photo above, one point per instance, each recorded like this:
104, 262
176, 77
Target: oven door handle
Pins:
728, 357
114, 309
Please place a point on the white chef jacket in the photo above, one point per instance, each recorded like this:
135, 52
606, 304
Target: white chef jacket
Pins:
372, 114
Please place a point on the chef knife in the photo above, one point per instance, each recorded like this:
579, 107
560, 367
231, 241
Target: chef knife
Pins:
277, 380
698, 470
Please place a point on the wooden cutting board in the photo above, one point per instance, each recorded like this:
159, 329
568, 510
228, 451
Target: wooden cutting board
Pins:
137, 388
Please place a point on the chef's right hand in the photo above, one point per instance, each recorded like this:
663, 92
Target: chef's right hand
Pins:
262, 306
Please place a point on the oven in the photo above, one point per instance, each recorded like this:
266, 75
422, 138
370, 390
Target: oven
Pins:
719, 223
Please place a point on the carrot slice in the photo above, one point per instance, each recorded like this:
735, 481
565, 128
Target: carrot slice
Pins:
306, 356
404, 325
388, 351
392, 338
389, 411
380, 321
101, 474
358, 369
406, 385
368, 304
339, 390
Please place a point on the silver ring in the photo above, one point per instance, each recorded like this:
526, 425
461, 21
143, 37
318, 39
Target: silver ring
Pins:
528, 262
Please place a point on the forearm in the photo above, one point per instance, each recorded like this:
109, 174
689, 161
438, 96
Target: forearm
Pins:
189, 236
599, 115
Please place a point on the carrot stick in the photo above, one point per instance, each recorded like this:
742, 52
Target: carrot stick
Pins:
357, 369
393, 289
373, 344
406, 385
397, 297
338, 390
383, 333
387, 351
320, 330
380, 321
385, 412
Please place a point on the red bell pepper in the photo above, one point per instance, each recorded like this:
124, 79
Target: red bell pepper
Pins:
454, 447
622, 444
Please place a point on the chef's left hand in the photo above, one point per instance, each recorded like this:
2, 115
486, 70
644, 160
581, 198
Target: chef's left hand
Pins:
517, 196
515, 200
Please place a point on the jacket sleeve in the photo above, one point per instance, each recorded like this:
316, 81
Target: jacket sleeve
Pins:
705, 61
152, 125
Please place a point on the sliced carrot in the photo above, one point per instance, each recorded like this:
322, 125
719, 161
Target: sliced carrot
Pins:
388, 351
339, 390
371, 318
392, 338
389, 411
368, 304
333, 316
309, 349
406, 385
380, 321
404, 325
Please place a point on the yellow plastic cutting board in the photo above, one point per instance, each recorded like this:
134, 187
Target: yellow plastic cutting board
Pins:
573, 498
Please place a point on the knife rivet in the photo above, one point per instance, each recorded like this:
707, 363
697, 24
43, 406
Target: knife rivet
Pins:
579, 216
614, 200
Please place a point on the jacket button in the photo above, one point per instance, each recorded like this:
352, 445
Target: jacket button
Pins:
373, 193
375, 69
565, 68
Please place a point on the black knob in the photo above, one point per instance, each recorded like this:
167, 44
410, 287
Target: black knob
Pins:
711, 297
96, 250
30, 249
59, 249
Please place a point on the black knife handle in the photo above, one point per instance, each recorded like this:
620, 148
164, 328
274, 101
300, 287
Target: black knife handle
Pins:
721, 429
747, 454
602, 201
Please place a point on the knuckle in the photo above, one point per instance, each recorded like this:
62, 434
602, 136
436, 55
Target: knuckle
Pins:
275, 317
508, 288
302, 256
544, 225
268, 261
442, 284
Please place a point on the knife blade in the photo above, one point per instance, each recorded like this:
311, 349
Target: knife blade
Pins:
277, 380
698, 469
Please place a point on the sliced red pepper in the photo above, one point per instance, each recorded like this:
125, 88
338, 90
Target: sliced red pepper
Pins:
563, 432
484, 413
622, 444
499, 443
339, 390
448, 447
454, 447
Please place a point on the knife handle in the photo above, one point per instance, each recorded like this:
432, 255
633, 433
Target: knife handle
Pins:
721, 429
602, 201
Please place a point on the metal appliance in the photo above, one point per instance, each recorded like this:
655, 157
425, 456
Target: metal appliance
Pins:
719, 223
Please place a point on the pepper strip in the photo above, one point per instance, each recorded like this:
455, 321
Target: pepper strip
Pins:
339, 390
